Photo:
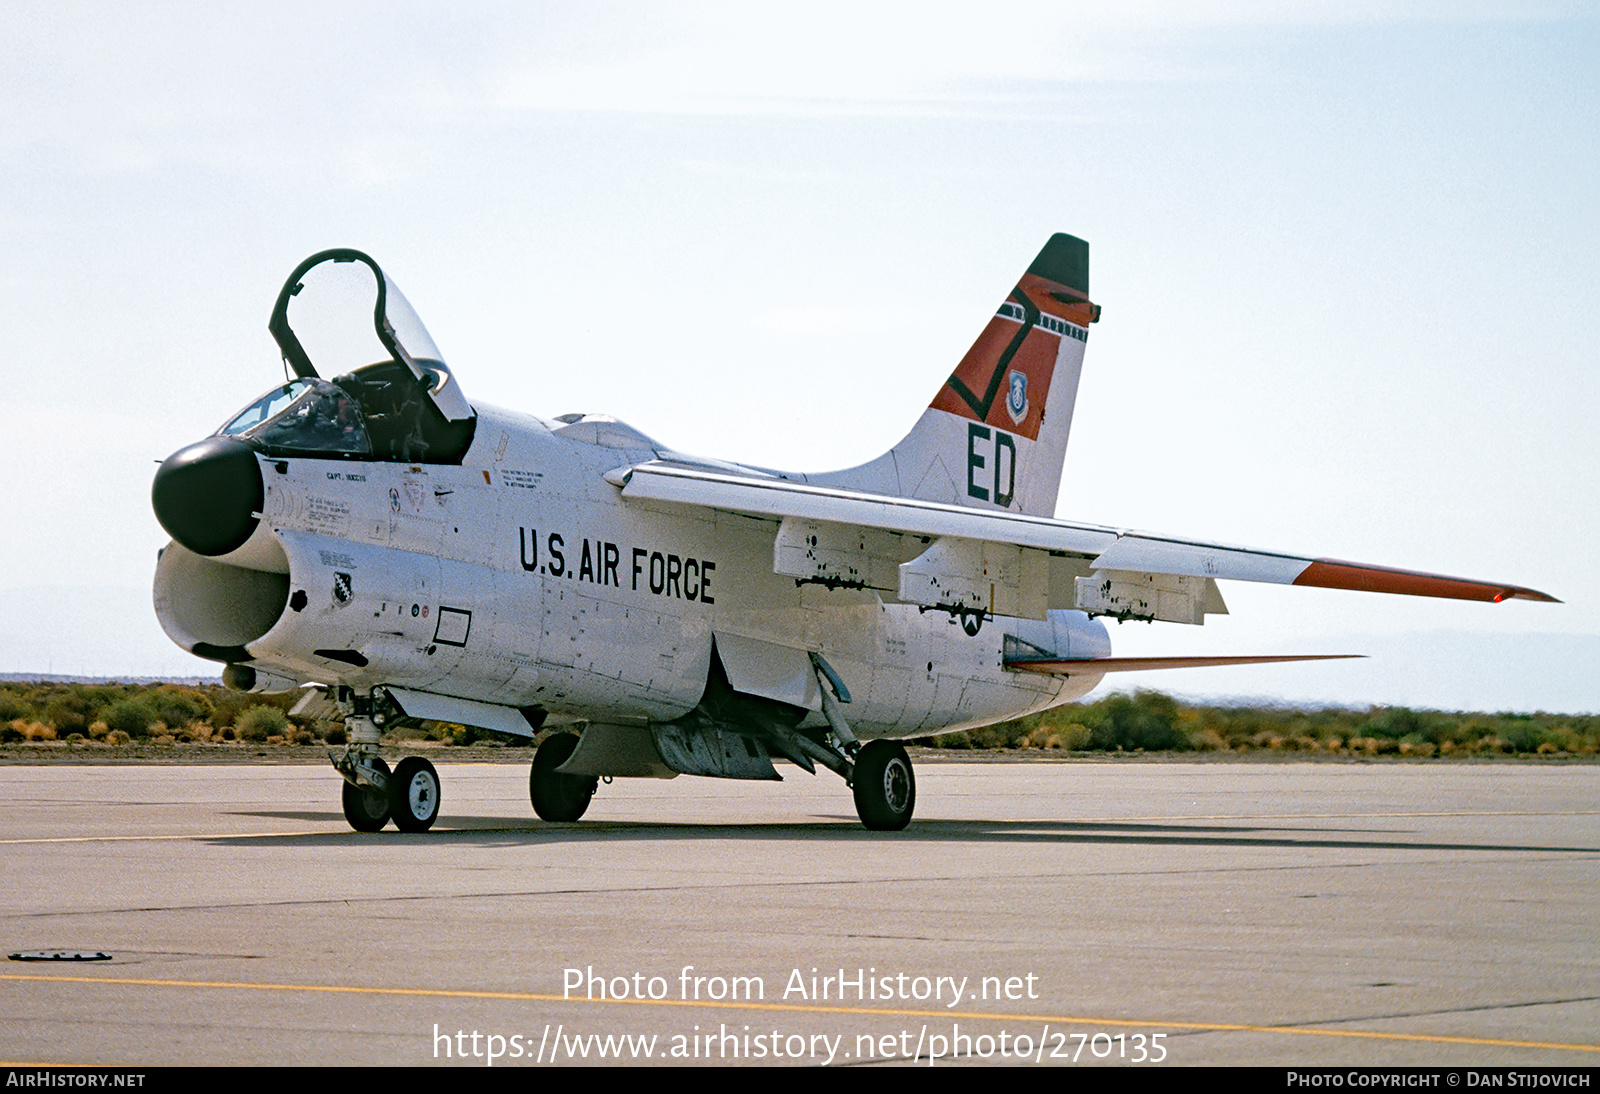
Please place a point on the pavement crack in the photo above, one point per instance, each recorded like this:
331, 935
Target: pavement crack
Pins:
1448, 1010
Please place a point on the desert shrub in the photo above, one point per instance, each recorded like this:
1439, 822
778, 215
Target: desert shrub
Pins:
1393, 723
132, 716
226, 707
180, 706
260, 722
68, 712
1522, 736
34, 731
13, 707
1143, 721
1075, 736
74, 707
1001, 735
1146, 719
1070, 737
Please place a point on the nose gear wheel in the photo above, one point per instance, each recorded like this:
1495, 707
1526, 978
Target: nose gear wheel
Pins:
558, 797
414, 795
367, 807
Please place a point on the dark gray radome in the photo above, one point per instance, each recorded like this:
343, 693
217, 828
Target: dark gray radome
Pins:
207, 495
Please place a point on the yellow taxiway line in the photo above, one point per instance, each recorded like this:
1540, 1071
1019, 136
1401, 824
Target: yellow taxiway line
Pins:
876, 1012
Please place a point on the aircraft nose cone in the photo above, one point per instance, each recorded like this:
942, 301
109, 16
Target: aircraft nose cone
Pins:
206, 495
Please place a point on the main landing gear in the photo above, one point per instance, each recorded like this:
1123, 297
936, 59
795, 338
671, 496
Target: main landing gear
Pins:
372, 794
884, 786
878, 772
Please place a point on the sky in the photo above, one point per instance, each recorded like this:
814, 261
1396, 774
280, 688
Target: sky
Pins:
1346, 256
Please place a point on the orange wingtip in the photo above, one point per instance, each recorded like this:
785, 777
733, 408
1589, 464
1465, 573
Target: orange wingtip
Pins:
1328, 573
1101, 665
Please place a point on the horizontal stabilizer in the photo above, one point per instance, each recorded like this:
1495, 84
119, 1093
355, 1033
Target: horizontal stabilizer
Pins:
1101, 665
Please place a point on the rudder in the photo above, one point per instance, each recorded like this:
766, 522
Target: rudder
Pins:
986, 440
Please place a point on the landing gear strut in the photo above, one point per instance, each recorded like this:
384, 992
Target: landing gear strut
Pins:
372, 795
879, 773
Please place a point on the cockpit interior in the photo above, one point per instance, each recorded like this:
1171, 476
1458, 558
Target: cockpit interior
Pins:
337, 314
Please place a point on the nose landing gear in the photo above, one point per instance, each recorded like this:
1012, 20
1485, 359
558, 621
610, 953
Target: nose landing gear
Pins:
366, 807
558, 797
372, 795
414, 795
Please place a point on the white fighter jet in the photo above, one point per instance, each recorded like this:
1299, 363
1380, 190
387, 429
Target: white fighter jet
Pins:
368, 534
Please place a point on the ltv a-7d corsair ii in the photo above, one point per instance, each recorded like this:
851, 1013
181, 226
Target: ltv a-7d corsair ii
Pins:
368, 534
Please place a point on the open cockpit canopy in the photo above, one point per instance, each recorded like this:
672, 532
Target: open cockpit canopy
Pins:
371, 383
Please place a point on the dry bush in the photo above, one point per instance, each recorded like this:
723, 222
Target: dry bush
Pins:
1074, 736
135, 717
262, 723
13, 706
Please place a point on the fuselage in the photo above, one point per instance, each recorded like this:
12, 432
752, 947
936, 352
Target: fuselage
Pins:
521, 577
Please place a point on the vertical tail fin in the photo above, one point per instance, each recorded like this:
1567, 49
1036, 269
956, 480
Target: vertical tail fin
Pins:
995, 435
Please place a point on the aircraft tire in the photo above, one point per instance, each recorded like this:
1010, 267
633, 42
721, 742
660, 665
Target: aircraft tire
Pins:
414, 795
367, 809
884, 786
558, 797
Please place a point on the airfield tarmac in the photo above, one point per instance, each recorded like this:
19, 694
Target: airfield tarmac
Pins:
1214, 913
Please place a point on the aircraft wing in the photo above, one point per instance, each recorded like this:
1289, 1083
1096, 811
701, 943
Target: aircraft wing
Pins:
977, 560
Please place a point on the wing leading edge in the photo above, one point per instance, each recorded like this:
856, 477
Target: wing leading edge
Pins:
1024, 561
